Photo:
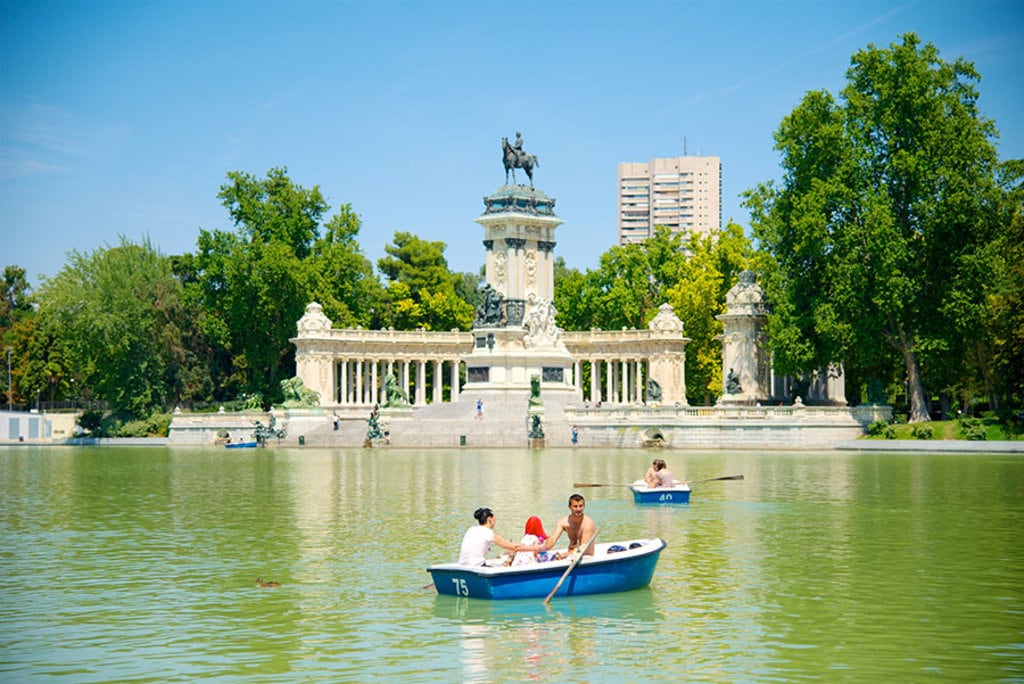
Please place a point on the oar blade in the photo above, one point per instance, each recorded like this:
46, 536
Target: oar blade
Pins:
715, 479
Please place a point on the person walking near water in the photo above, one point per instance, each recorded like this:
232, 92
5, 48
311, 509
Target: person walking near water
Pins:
479, 409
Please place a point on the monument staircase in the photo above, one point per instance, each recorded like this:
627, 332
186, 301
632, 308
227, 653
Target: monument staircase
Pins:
455, 425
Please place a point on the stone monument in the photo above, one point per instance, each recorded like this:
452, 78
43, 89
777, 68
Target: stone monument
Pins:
746, 373
515, 335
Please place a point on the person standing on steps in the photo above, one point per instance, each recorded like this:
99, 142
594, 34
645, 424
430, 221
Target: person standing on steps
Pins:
479, 409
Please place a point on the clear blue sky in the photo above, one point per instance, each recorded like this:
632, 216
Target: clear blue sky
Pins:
125, 117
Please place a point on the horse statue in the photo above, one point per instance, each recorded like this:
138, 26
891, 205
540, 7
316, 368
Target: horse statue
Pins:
515, 158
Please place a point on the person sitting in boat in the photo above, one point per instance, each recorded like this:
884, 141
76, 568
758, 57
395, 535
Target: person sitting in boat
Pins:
662, 476
651, 476
534, 536
578, 526
476, 543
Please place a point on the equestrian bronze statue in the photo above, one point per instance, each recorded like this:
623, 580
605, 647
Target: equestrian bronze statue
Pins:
515, 158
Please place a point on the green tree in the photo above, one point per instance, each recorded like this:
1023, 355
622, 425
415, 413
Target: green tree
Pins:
626, 288
16, 300
343, 279
104, 318
712, 268
253, 284
16, 323
1007, 297
876, 232
421, 291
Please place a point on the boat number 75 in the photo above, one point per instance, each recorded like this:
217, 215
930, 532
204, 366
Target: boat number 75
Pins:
460, 586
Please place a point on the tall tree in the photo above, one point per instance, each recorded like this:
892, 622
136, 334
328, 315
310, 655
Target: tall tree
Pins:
103, 318
626, 288
343, 278
1007, 301
422, 292
254, 283
876, 231
16, 323
713, 265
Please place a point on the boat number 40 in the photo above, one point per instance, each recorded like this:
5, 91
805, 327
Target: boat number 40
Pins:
461, 589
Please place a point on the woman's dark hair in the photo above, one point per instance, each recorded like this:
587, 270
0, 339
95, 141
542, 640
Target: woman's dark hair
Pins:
482, 514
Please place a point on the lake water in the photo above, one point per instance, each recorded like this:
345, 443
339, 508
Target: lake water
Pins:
139, 564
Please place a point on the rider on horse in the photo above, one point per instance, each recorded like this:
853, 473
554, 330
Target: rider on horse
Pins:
516, 158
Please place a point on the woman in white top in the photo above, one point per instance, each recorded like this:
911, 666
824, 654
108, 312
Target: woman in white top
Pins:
476, 544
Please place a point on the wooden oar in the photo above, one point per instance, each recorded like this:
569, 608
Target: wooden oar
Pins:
711, 479
572, 566
678, 482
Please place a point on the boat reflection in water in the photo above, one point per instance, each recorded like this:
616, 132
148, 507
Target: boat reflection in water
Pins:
540, 639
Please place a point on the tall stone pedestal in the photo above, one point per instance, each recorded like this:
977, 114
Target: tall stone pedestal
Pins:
745, 369
514, 334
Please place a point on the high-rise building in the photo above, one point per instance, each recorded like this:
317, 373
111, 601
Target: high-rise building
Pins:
682, 193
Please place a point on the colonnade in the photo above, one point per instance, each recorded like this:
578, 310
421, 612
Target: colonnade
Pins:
362, 381
624, 380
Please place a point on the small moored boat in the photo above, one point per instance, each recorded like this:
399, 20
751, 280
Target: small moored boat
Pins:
241, 445
614, 567
679, 494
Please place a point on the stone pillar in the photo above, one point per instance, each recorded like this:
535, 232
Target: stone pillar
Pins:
438, 394
626, 381
668, 368
360, 396
595, 381
343, 383
454, 380
745, 373
406, 376
638, 374
421, 382
374, 383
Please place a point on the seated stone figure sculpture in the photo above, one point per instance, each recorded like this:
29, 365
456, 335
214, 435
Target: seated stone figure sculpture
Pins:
297, 395
393, 395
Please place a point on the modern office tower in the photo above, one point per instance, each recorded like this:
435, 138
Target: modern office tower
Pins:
682, 193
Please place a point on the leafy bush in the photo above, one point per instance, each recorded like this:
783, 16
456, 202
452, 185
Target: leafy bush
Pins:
922, 431
880, 428
972, 429
92, 422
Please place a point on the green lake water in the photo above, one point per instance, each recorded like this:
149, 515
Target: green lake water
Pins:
139, 564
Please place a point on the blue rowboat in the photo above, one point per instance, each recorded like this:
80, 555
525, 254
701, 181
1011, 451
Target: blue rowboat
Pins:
642, 494
609, 570
241, 445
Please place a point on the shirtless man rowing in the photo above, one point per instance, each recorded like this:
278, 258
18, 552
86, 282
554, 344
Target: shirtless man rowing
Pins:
578, 527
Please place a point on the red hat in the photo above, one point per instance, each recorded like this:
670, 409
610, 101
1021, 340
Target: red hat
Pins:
536, 528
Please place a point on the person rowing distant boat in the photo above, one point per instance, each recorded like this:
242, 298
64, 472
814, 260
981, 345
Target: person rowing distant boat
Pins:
658, 475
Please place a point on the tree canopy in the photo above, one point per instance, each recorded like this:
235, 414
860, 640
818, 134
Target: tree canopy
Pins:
422, 292
632, 281
877, 234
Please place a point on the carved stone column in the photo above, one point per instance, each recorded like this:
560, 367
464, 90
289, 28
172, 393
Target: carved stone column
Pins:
746, 374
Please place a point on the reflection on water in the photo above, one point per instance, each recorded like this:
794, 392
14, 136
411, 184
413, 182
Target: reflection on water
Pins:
545, 639
126, 563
